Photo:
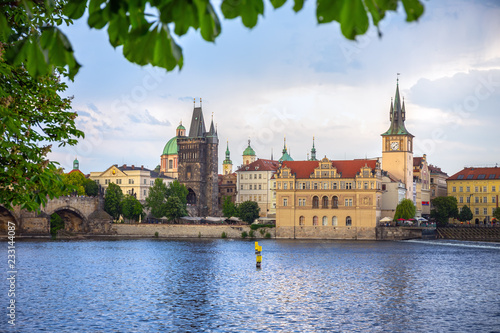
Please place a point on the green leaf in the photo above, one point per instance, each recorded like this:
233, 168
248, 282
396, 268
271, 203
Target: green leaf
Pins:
75, 9
354, 19
277, 3
118, 30
209, 22
298, 5
414, 9
328, 10
248, 10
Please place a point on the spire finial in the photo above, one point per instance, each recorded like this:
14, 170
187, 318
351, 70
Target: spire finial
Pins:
397, 77
194, 101
200, 102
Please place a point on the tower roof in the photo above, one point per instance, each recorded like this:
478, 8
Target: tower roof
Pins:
228, 158
171, 147
285, 156
397, 116
249, 150
197, 129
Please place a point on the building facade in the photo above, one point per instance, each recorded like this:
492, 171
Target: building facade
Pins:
132, 180
198, 165
477, 188
254, 184
169, 158
421, 186
328, 199
438, 182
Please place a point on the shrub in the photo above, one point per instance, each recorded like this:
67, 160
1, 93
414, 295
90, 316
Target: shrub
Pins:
223, 235
252, 234
262, 231
268, 235
244, 234
156, 234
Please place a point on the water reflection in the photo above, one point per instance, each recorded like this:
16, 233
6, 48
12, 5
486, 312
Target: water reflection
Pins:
212, 285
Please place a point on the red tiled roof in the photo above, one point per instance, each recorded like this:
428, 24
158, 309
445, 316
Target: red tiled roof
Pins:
260, 165
476, 173
417, 161
348, 168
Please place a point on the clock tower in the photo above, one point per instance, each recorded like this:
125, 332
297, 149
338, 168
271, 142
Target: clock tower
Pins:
397, 146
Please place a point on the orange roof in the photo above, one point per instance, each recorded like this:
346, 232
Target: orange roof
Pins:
476, 173
417, 161
260, 165
348, 168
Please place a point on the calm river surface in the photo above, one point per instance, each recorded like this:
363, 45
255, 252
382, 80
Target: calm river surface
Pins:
213, 286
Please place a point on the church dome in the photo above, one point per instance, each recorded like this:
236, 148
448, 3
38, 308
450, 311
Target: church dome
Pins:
171, 147
249, 151
180, 127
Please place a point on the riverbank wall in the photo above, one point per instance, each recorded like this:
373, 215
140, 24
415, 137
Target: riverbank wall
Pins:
480, 234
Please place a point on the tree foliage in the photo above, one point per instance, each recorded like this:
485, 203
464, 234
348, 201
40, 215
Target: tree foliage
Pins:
405, 210
112, 200
175, 208
156, 198
176, 189
131, 207
91, 188
444, 208
248, 211
147, 30
496, 213
56, 224
229, 207
75, 181
465, 214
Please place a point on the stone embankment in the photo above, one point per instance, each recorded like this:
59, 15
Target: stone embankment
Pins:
141, 230
482, 234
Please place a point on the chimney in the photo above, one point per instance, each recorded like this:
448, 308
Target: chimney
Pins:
124, 166
133, 167
142, 167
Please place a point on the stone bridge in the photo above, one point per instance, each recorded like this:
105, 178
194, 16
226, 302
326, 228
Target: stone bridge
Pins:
81, 215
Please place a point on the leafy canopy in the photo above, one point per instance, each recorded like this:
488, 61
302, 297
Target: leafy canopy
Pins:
465, 214
148, 29
496, 213
228, 207
405, 210
248, 211
444, 208
169, 201
131, 207
113, 200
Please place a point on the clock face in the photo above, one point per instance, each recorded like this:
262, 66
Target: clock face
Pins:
394, 145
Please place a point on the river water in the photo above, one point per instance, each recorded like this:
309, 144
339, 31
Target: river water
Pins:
202, 285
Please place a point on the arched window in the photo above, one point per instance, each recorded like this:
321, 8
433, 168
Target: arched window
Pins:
348, 221
191, 197
315, 202
315, 220
188, 172
325, 202
334, 221
301, 220
335, 202
325, 220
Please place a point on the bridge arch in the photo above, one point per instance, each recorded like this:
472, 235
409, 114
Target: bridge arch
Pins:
74, 220
5, 217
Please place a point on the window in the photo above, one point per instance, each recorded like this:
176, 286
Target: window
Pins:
460, 177
325, 220
106, 181
454, 189
325, 202
170, 164
301, 220
334, 221
365, 185
348, 202
315, 202
285, 185
461, 189
260, 187
468, 188
97, 181
461, 200
477, 189
493, 189
383, 187
470, 176
485, 211
241, 186
468, 199
302, 202
348, 221
118, 181
342, 185
485, 199
315, 220
477, 199
130, 181
477, 211
144, 192
348, 186
260, 176
260, 198
250, 186
335, 185
485, 189
493, 199
325, 186
145, 180
315, 186
482, 176
372, 186
335, 202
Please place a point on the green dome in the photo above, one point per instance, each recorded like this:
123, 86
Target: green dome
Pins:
171, 147
249, 151
180, 127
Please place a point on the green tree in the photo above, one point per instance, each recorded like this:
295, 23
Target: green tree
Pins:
496, 213
147, 29
56, 223
175, 208
465, 214
228, 207
444, 208
112, 200
76, 181
248, 211
405, 210
157, 198
176, 189
131, 207
91, 188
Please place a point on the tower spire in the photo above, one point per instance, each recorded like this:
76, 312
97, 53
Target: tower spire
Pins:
313, 152
397, 115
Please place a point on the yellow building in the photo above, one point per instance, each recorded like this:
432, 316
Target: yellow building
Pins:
328, 199
477, 188
132, 180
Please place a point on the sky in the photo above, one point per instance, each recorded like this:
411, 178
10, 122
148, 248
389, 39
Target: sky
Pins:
292, 78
